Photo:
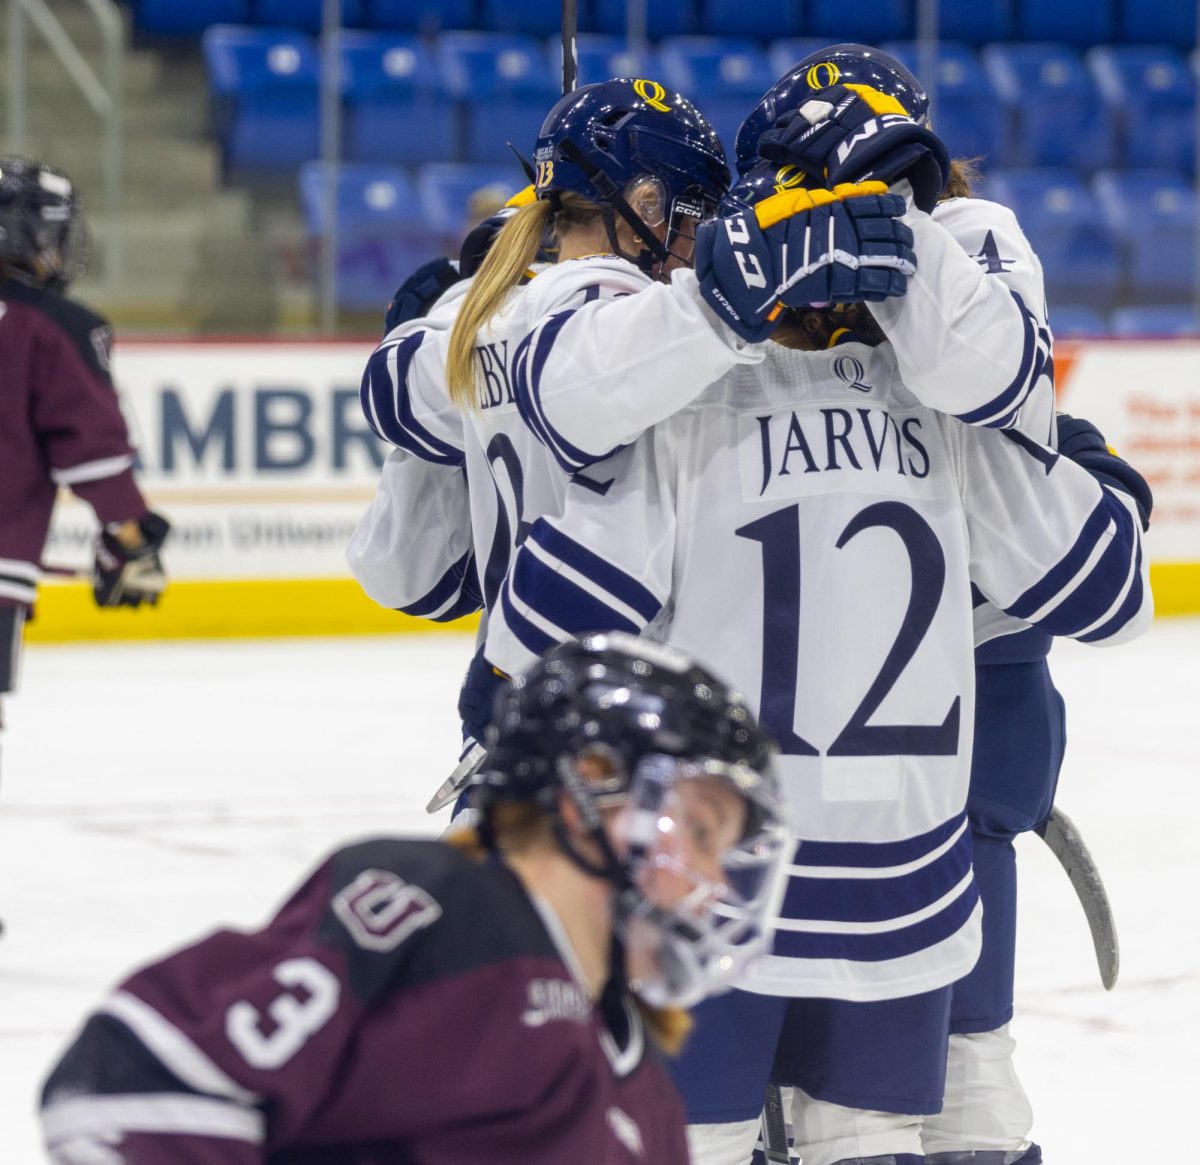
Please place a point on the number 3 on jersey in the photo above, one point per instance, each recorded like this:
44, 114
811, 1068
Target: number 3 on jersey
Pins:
779, 536
309, 1001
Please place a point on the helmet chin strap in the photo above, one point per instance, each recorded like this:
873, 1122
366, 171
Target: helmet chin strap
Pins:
614, 200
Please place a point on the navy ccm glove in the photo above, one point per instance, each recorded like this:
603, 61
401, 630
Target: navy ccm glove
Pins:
853, 133
801, 248
1084, 444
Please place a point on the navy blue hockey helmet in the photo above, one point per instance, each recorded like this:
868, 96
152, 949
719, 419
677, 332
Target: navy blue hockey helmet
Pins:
625, 696
839, 64
41, 222
600, 139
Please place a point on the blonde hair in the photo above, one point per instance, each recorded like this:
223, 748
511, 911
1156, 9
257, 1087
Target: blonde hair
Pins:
514, 251
964, 177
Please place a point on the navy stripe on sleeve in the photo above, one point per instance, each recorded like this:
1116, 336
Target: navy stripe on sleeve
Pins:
563, 602
1002, 409
616, 582
1128, 609
531, 637
458, 586
388, 410
1038, 595
527, 388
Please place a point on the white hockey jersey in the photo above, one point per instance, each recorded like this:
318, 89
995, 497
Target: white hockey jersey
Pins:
515, 477
813, 536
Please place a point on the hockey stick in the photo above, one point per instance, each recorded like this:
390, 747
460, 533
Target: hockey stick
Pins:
774, 1128
570, 57
471, 763
1058, 831
65, 571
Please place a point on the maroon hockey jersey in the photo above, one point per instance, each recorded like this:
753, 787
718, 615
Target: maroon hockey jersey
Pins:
60, 424
406, 1005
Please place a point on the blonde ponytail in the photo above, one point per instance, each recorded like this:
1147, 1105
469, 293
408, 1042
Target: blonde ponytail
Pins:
515, 248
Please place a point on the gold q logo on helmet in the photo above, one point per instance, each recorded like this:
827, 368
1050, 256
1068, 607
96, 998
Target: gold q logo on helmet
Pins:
788, 178
652, 93
823, 75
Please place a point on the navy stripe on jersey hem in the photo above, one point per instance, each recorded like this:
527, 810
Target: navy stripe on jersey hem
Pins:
879, 899
875, 948
877, 854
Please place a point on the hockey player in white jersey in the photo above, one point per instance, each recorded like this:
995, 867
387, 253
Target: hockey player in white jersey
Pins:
625, 170
816, 119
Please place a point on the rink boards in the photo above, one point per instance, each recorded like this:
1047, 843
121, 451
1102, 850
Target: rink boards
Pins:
258, 453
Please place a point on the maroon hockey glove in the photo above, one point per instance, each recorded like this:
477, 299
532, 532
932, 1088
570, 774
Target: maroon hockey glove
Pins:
124, 577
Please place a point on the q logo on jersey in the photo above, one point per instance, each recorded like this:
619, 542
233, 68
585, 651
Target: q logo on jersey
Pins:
850, 370
652, 93
822, 75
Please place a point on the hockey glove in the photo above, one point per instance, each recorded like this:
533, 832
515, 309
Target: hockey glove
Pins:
802, 248
420, 291
124, 577
1084, 444
853, 133
477, 697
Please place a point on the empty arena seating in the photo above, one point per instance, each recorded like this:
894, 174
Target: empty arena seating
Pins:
1082, 115
381, 233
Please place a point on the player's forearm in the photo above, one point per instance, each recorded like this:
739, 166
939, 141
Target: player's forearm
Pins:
611, 370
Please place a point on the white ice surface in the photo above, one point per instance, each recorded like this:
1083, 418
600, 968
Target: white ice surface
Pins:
151, 792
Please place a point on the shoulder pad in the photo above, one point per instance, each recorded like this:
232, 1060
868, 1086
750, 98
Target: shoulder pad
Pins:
89, 331
558, 285
974, 214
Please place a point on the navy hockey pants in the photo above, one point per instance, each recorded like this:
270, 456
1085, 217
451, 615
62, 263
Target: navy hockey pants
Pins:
1019, 739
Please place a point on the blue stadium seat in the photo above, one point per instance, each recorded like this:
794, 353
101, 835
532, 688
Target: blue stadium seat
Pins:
425, 16
663, 18
603, 57
507, 86
530, 17
975, 22
171, 18
1067, 21
869, 21
396, 106
382, 233
1167, 320
967, 113
264, 89
1058, 116
1170, 22
761, 21
1066, 227
1153, 213
724, 78
1074, 320
1153, 97
445, 192
304, 15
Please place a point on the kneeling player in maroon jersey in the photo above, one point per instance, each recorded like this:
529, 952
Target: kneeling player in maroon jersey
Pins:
494, 999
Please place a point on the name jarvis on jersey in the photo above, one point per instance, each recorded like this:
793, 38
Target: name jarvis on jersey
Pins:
831, 439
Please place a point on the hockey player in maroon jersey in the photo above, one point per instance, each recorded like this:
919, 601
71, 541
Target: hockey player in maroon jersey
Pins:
474, 1000
60, 423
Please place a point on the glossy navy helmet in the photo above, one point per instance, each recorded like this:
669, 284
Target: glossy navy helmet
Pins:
41, 222
599, 140
643, 742
840, 64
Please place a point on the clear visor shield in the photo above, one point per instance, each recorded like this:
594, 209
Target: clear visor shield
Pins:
673, 223
707, 849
